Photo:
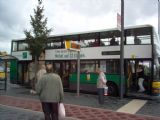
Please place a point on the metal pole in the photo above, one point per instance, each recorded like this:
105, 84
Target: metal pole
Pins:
5, 62
158, 18
122, 51
78, 72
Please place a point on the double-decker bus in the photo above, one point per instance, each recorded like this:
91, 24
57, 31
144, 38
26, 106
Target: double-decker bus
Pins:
99, 48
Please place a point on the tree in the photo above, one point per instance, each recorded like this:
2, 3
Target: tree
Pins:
37, 36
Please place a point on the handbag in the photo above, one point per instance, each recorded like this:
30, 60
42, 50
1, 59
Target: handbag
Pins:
105, 91
61, 111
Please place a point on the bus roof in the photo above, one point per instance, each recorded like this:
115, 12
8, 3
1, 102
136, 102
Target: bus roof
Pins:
102, 30
128, 28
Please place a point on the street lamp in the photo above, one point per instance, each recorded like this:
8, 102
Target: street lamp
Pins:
122, 51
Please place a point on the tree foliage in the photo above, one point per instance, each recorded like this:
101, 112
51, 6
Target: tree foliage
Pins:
37, 36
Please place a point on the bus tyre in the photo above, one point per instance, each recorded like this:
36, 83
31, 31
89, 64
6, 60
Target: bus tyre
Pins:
112, 89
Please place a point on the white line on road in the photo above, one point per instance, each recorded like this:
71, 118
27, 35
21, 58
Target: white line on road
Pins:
133, 106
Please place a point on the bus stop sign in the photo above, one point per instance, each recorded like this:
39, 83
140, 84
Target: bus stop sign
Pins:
71, 45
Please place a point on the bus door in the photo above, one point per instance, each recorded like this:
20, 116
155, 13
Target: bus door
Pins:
138, 81
62, 69
65, 73
23, 77
57, 67
13, 71
131, 76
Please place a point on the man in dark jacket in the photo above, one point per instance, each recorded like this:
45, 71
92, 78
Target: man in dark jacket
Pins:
50, 90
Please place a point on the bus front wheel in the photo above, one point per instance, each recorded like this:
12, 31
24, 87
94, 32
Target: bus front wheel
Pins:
112, 89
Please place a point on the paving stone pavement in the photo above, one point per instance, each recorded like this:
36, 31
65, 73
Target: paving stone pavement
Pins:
11, 113
75, 111
14, 113
84, 107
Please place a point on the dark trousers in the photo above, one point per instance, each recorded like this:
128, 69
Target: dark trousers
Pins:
50, 110
101, 95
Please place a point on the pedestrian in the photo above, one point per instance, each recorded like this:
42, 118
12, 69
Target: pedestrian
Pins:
140, 73
31, 68
113, 41
137, 41
40, 72
101, 84
50, 90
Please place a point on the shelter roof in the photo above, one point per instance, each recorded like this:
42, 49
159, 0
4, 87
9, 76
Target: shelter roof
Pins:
7, 57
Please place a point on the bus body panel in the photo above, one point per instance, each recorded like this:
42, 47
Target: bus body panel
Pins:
110, 52
93, 78
89, 84
22, 55
97, 51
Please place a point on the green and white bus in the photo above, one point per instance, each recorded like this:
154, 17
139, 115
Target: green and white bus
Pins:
98, 49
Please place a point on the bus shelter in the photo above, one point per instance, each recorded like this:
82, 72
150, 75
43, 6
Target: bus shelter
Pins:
5, 70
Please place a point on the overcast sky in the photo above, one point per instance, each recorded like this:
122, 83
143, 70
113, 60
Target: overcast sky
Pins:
69, 16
